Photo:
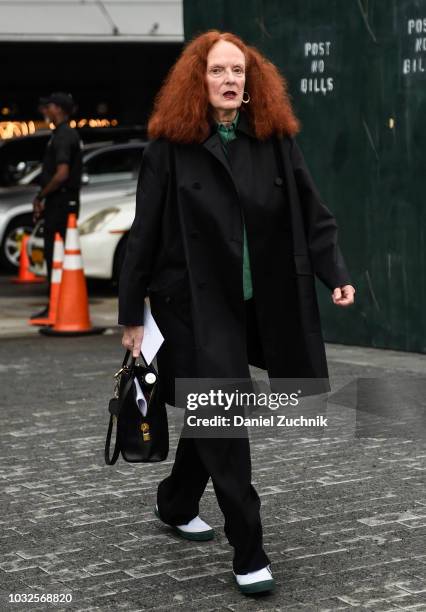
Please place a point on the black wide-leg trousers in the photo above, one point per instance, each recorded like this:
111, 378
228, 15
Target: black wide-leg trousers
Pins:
227, 462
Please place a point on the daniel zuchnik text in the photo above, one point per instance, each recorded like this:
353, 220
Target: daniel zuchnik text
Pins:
260, 421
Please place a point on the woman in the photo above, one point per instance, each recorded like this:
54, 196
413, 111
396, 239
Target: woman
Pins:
228, 234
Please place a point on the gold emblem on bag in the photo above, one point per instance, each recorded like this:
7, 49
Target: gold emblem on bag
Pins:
145, 432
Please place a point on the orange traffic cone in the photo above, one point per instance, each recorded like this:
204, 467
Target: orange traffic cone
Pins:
24, 274
73, 305
55, 283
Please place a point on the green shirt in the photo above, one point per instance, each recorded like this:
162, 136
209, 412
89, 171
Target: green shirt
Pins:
227, 134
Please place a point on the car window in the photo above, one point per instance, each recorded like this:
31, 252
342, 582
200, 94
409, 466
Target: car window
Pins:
119, 164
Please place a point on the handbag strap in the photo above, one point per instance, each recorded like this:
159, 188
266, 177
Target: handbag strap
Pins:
116, 452
108, 459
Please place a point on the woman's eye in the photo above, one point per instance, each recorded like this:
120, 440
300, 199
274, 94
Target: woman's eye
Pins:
217, 70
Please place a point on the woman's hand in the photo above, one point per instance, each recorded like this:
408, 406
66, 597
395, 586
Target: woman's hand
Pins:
132, 339
343, 296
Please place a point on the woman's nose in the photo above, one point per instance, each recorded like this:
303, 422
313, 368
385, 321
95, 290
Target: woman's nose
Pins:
229, 76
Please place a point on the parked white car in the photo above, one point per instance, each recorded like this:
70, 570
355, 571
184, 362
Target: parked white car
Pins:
107, 170
103, 227
103, 238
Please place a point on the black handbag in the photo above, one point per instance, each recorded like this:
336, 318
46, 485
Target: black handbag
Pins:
140, 439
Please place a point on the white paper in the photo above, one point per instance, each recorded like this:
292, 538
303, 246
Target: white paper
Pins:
152, 337
140, 398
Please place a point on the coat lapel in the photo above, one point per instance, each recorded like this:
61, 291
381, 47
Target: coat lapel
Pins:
244, 125
238, 164
213, 144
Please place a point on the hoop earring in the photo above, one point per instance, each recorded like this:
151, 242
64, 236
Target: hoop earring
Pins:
245, 101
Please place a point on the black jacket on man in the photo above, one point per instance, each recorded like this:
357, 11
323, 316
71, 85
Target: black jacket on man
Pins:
64, 147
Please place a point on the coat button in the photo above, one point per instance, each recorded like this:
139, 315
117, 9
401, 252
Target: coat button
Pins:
196, 185
201, 284
278, 181
167, 299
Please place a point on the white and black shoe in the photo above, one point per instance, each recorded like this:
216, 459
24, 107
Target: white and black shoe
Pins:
255, 582
196, 529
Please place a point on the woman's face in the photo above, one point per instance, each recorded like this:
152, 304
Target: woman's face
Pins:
225, 75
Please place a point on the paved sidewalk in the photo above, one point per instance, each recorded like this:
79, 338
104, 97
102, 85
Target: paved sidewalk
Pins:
344, 518
19, 302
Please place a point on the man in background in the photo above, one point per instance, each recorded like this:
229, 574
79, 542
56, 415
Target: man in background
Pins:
60, 180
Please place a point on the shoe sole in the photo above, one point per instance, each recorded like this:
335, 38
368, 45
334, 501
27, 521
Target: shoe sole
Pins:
199, 536
257, 587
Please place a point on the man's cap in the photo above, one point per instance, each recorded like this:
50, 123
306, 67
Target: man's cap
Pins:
64, 100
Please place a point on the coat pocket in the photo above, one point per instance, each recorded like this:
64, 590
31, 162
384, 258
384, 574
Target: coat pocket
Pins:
176, 298
171, 286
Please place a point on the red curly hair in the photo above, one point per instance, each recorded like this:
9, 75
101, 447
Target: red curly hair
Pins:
182, 111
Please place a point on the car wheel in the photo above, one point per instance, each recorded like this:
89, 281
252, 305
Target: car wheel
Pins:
120, 252
10, 250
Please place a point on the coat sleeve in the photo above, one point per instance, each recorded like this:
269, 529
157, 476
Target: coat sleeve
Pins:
144, 236
320, 225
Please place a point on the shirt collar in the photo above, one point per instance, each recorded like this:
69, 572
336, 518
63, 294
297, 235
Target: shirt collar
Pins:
243, 125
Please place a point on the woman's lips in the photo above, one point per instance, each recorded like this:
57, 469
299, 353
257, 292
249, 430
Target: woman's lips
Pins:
229, 94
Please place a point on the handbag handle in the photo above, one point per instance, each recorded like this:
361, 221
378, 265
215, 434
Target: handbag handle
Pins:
133, 360
111, 460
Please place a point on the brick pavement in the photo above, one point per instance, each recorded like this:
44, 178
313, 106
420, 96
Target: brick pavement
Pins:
344, 518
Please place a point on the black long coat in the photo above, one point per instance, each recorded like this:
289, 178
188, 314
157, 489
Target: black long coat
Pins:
185, 251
